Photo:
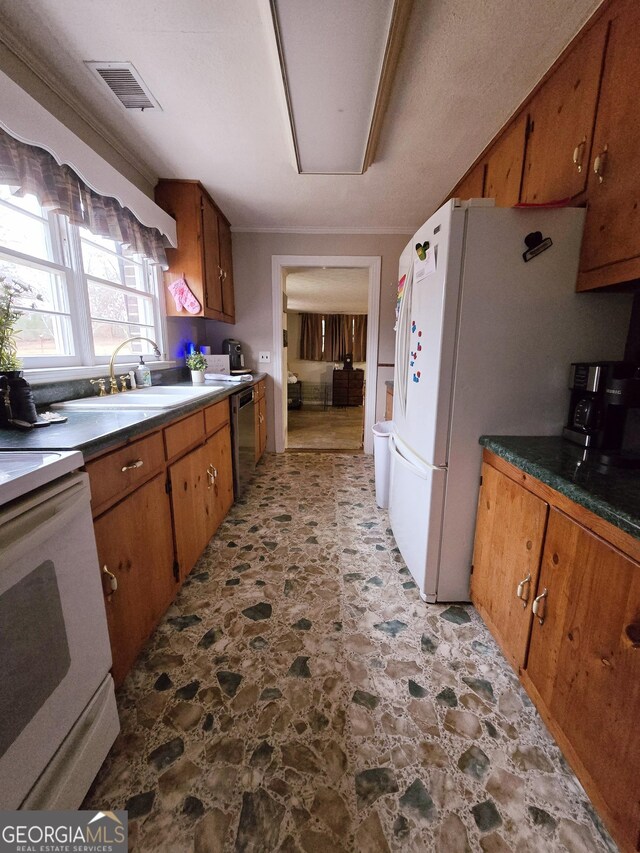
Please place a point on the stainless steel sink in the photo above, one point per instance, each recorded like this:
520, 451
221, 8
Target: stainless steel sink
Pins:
157, 397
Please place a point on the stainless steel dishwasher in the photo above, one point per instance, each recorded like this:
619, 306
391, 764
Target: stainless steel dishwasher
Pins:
243, 435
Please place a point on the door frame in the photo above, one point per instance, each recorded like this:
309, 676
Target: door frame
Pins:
279, 263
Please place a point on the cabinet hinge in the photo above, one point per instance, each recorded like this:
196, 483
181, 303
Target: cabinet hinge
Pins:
176, 570
480, 480
471, 572
167, 486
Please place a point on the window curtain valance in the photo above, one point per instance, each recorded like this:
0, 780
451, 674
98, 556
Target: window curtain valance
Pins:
60, 190
343, 333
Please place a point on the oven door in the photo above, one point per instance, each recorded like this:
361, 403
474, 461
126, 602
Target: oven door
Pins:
54, 646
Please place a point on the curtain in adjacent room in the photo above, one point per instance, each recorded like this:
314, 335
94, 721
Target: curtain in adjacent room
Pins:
336, 339
33, 171
311, 337
359, 337
343, 333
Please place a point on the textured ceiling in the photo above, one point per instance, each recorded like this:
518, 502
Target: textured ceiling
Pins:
464, 68
333, 290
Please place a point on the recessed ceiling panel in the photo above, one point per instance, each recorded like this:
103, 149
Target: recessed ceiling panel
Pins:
332, 55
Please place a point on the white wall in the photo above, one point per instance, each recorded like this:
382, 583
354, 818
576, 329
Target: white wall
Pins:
252, 254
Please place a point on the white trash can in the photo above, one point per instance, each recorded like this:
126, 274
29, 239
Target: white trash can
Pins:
381, 457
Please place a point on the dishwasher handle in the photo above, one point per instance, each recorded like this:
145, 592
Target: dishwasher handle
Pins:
245, 398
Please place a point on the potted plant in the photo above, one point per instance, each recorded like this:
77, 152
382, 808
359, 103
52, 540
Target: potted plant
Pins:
17, 407
10, 291
197, 364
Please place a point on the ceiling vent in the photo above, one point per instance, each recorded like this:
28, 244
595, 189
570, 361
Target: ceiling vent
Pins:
126, 84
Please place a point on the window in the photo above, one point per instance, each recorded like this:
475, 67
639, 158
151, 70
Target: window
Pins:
88, 297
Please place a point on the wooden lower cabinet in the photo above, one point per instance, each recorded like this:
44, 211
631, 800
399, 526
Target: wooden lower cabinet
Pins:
135, 545
261, 420
201, 495
578, 654
584, 667
509, 534
218, 448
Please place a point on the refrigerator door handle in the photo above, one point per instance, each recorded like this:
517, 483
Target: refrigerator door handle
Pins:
402, 344
395, 451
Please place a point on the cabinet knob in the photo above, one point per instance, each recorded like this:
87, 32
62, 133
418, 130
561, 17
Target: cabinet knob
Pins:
599, 163
522, 592
111, 579
578, 154
538, 607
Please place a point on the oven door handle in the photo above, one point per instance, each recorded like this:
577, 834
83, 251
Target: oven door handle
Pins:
32, 528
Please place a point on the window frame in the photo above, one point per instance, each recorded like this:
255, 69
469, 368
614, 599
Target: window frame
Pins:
64, 242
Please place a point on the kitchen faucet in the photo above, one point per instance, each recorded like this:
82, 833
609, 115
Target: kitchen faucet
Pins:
112, 377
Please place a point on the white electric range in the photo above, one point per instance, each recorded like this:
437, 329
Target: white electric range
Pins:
58, 715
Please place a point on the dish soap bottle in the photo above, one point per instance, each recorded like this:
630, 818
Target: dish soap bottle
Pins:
143, 375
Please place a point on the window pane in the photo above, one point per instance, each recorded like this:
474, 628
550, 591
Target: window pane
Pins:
49, 289
27, 202
43, 334
107, 303
107, 336
23, 234
112, 267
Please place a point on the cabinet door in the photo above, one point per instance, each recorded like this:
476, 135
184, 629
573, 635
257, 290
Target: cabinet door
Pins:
510, 528
226, 265
612, 228
261, 427
504, 164
562, 115
220, 484
211, 254
134, 543
584, 661
191, 505
182, 200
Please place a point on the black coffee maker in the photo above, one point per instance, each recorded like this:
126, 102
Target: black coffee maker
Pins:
233, 349
604, 410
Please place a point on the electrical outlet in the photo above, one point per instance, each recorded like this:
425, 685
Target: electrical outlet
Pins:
264, 357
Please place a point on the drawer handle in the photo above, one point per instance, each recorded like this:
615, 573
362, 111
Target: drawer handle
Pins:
537, 605
600, 162
522, 591
133, 465
578, 154
212, 473
112, 579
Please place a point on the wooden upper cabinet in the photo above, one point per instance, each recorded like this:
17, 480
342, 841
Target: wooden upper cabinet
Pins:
211, 257
611, 244
584, 662
561, 119
226, 271
203, 254
472, 185
510, 528
504, 162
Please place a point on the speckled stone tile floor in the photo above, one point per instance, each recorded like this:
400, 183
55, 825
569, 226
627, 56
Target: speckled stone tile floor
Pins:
299, 696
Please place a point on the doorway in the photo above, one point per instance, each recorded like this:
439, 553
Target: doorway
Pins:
327, 318
322, 425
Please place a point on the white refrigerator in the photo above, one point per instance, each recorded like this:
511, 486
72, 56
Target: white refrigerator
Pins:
489, 323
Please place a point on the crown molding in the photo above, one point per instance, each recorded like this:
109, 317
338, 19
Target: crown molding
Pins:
53, 82
321, 229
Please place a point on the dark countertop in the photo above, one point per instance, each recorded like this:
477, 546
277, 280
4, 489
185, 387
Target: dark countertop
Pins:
93, 432
612, 493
